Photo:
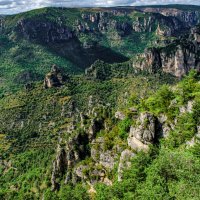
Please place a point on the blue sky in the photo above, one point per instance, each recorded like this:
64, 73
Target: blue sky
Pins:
16, 6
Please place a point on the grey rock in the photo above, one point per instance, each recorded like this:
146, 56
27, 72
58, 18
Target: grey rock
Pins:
97, 148
107, 159
120, 115
59, 167
177, 62
187, 108
144, 133
124, 162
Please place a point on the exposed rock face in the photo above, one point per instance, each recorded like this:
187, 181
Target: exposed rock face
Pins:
144, 133
165, 26
95, 126
97, 147
164, 32
92, 174
44, 31
67, 157
195, 35
59, 167
143, 24
100, 154
178, 61
190, 18
125, 162
107, 159
166, 127
101, 21
54, 78
148, 61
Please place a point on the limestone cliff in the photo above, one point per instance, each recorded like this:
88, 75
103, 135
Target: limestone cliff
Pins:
190, 17
123, 21
44, 31
177, 58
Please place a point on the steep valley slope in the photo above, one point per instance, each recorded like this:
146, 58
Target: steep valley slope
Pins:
100, 103
75, 38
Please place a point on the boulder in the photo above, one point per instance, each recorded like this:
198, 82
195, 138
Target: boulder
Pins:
44, 31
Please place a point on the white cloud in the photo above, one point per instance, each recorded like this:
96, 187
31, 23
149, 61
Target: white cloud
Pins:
15, 6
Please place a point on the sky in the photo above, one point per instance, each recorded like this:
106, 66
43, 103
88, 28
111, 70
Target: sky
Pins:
16, 6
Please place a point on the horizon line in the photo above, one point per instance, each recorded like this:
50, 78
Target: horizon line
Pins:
120, 6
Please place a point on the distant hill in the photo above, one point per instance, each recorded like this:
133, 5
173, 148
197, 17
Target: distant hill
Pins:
100, 104
74, 38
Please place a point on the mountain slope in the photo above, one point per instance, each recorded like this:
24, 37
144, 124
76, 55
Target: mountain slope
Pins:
90, 133
76, 38
127, 128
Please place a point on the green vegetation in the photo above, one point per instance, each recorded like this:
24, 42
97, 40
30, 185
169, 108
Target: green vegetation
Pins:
169, 171
23, 62
65, 142
26, 55
31, 166
169, 175
25, 143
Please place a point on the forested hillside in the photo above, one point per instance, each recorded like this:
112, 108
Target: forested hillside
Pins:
100, 103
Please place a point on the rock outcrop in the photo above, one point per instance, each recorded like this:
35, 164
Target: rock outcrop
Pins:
101, 155
143, 133
195, 35
188, 108
44, 31
92, 174
165, 126
102, 21
124, 162
190, 18
177, 58
149, 61
67, 156
59, 167
55, 78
